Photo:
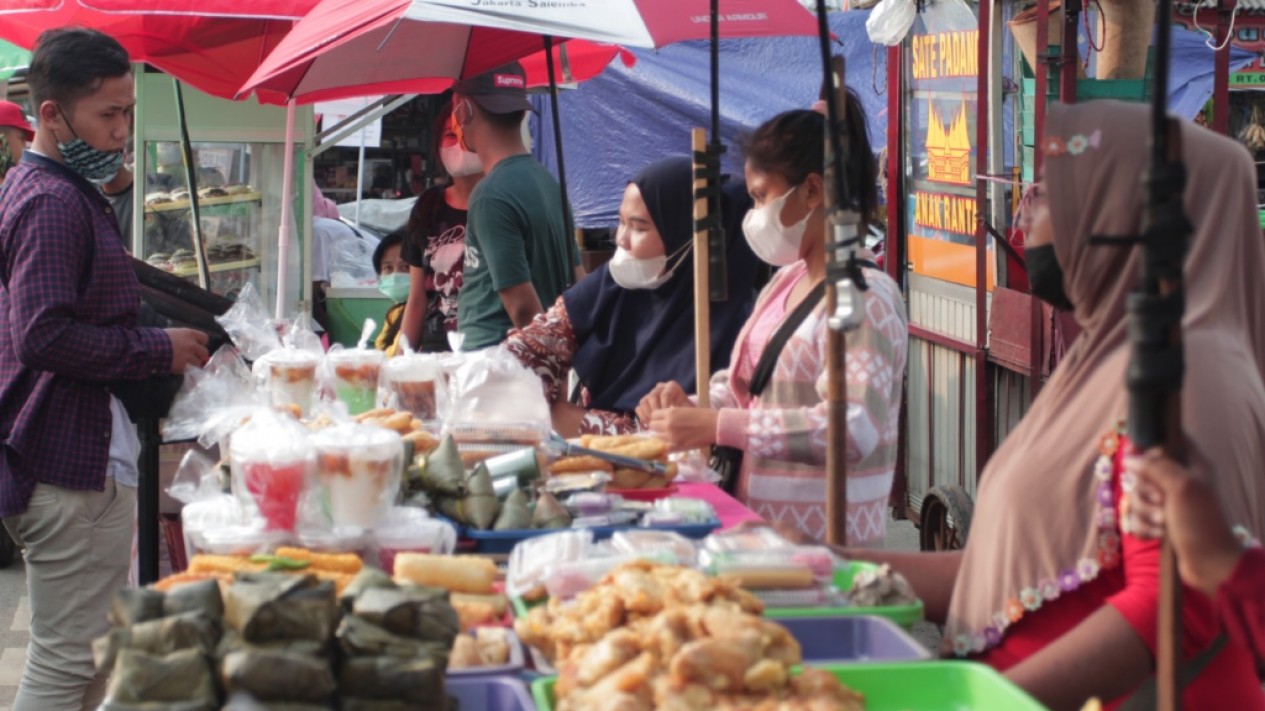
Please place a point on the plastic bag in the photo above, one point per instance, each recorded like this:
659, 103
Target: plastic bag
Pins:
358, 472
493, 387
410, 530
197, 478
890, 21
692, 466
353, 375
415, 382
250, 326
288, 375
213, 400
273, 464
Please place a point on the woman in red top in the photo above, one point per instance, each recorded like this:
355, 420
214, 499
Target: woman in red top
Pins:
1049, 590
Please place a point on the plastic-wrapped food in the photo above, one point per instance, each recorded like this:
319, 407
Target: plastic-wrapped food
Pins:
693, 510
213, 400
674, 544
273, 463
290, 377
355, 373
881, 587
410, 530
564, 581
568, 484
464, 574
238, 540
756, 539
663, 519
593, 503
358, 468
489, 379
784, 568
415, 382
530, 559
614, 518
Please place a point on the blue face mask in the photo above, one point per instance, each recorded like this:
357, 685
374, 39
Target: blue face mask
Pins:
95, 165
394, 286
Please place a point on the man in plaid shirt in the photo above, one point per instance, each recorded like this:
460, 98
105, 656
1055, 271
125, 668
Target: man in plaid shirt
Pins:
68, 314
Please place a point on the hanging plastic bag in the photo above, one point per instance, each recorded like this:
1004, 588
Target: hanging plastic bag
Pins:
249, 325
890, 21
212, 400
493, 387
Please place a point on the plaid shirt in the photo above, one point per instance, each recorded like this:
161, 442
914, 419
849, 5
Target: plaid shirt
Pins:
68, 308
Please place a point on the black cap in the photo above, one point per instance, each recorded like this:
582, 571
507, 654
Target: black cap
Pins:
500, 91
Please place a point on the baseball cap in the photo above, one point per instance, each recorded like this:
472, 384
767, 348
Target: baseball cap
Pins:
500, 91
11, 115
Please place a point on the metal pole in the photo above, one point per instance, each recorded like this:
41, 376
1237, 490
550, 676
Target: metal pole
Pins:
1221, 70
191, 177
567, 220
147, 501
360, 177
287, 212
718, 276
983, 399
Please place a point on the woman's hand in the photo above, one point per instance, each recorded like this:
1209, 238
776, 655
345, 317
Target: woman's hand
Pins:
663, 396
685, 428
1165, 498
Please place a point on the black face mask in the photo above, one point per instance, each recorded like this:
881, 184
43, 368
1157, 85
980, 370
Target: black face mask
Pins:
1046, 276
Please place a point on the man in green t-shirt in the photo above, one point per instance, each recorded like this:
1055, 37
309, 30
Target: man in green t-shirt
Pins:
520, 255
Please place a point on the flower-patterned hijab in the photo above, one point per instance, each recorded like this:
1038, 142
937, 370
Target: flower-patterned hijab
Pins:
1044, 522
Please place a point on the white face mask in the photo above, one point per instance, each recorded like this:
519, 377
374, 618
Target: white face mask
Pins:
459, 163
633, 273
773, 242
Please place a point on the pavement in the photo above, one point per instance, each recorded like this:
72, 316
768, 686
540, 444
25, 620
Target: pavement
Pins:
15, 614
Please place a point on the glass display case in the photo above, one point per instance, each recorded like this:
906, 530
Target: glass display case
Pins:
238, 152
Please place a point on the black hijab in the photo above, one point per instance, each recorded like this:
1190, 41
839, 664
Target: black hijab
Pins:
627, 340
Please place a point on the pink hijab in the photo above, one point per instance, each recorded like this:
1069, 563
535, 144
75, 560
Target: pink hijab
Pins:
1040, 525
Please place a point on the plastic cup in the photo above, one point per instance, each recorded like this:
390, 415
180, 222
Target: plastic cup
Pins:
359, 468
414, 380
292, 378
270, 472
356, 378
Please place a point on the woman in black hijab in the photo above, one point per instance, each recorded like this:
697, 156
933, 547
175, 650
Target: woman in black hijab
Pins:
630, 324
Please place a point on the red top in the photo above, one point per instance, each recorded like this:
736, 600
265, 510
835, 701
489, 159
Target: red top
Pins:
1240, 605
1132, 587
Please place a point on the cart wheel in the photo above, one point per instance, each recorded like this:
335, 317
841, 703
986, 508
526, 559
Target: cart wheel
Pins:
8, 549
946, 519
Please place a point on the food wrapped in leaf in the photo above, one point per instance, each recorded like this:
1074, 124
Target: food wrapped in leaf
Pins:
231, 642
276, 607
273, 675
443, 472
354, 704
202, 596
419, 681
418, 500
160, 706
183, 676
361, 638
162, 636
550, 513
365, 580
133, 605
515, 512
246, 702
481, 503
411, 610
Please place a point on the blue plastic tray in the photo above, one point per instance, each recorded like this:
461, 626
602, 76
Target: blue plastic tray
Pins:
495, 693
850, 640
504, 541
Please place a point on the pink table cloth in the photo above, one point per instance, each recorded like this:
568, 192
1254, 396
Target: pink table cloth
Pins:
728, 509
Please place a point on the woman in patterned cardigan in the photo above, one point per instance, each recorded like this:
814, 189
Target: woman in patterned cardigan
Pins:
782, 432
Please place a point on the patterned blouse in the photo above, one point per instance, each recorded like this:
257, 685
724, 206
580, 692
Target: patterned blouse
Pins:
547, 346
783, 432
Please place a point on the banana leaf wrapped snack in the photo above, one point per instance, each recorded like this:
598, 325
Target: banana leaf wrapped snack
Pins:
418, 681
443, 472
182, 677
191, 630
275, 607
278, 675
414, 611
515, 512
133, 605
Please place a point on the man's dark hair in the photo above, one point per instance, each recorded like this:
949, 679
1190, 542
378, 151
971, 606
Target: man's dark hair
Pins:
791, 144
70, 63
503, 123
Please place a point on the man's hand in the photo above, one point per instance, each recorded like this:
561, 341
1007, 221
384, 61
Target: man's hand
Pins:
188, 347
663, 396
685, 428
1165, 498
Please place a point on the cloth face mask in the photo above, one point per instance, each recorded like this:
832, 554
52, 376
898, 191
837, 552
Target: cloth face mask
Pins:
1046, 276
94, 165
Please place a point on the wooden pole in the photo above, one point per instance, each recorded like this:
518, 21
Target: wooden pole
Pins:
702, 298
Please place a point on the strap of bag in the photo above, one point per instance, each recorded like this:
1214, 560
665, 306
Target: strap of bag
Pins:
773, 350
1147, 696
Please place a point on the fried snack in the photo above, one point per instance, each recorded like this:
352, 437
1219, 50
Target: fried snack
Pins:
289, 409
344, 563
648, 448
224, 564
423, 442
340, 580
465, 574
171, 582
608, 442
569, 465
474, 613
400, 422
372, 414
632, 479
498, 602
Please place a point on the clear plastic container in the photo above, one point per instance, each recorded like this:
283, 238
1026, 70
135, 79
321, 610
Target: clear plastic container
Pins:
656, 519
563, 484
411, 530
787, 568
241, 540
759, 539
354, 540
416, 382
614, 518
530, 560
564, 581
356, 374
693, 510
198, 518
358, 467
593, 503
273, 463
291, 376
680, 548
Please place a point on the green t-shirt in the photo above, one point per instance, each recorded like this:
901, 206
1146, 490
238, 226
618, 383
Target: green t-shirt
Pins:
515, 233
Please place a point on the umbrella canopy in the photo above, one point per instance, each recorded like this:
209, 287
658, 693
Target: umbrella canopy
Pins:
213, 45
12, 58
635, 23
348, 48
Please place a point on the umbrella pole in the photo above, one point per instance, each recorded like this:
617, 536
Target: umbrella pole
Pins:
191, 177
287, 213
702, 301
557, 137
360, 177
718, 287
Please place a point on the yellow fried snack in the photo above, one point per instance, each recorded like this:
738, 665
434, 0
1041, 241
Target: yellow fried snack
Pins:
648, 449
423, 442
568, 465
226, 564
608, 442
375, 413
348, 563
171, 582
632, 479
472, 614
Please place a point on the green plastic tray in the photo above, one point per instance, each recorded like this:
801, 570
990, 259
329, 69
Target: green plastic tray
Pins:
903, 615
920, 686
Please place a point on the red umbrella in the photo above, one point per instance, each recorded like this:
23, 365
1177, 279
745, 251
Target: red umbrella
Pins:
212, 45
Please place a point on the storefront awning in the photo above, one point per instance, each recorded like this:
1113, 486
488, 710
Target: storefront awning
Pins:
12, 58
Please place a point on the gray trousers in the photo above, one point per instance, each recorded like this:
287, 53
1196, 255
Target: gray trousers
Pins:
78, 550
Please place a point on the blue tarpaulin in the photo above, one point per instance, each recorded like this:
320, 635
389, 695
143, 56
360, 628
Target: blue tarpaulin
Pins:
617, 123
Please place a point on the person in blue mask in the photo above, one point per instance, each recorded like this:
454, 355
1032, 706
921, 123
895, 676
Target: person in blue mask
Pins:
393, 282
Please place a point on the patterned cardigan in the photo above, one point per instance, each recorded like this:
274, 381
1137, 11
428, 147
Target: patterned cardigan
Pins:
783, 432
